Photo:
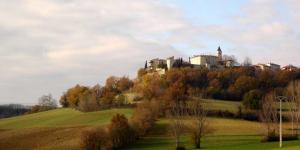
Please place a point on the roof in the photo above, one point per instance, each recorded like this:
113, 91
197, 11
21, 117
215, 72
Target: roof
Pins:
219, 49
203, 56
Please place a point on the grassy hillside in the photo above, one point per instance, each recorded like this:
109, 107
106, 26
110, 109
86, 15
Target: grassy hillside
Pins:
61, 129
229, 134
213, 104
55, 129
61, 118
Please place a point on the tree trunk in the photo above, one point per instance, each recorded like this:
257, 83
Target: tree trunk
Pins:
177, 142
198, 144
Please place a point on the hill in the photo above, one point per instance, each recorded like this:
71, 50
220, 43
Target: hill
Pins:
64, 117
61, 129
55, 129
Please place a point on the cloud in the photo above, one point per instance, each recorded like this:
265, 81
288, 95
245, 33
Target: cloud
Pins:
263, 30
49, 46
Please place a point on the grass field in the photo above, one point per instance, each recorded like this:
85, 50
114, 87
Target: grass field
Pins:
51, 130
212, 104
229, 134
61, 118
61, 129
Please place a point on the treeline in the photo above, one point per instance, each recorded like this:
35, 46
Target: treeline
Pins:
242, 83
12, 110
86, 98
227, 84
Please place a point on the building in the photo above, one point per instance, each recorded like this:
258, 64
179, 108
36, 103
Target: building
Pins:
212, 61
157, 63
262, 66
289, 68
208, 61
268, 66
170, 62
273, 66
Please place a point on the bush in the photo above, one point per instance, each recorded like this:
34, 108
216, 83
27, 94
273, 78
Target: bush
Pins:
220, 113
250, 115
180, 148
121, 133
38, 108
144, 116
273, 137
252, 99
95, 139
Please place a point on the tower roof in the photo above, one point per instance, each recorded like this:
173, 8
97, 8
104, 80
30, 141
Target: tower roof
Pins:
219, 49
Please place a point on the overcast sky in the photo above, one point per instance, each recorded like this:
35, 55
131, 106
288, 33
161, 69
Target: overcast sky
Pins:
48, 46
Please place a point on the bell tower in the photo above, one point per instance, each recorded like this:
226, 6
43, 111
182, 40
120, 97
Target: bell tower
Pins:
219, 53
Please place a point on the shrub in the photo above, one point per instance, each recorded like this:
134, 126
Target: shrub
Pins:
250, 115
252, 99
273, 137
95, 139
180, 148
144, 116
121, 133
38, 108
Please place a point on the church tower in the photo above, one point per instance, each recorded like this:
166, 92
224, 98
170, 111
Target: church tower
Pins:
219, 54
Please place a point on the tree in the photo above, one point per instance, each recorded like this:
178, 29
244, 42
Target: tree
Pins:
199, 123
244, 84
176, 114
47, 101
146, 65
230, 58
64, 101
141, 72
72, 97
268, 113
293, 91
121, 133
247, 62
144, 116
252, 99
95, 139
124, 84
150, 86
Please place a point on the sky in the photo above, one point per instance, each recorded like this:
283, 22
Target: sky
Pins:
48, 46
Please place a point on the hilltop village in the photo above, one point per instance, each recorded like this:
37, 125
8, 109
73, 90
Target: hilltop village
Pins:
211, 62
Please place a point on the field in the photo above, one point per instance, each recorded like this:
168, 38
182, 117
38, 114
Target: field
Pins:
229, 134
61, 129
55, 129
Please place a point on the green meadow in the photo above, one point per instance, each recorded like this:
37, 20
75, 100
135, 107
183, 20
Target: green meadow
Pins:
61, 129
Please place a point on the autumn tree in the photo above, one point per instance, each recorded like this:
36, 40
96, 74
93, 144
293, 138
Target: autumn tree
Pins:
95, 139
150, 86
73, 95
145, 115
244, 84
121, 133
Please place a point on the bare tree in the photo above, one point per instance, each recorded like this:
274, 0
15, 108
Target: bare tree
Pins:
247, 62
293, 91
268, 113
176, 114
199, 123
47, 101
